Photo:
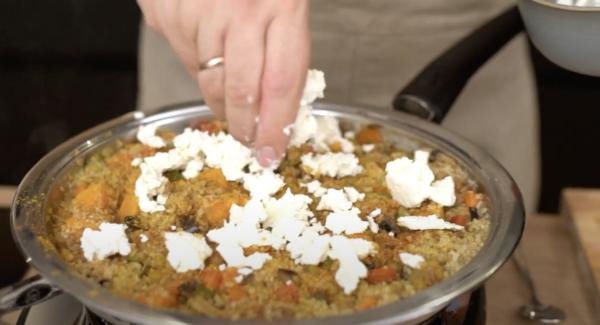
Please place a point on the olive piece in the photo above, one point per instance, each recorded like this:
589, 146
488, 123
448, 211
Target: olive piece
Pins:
286, 274
247, 279
474, 213
174, 175
133, 222
389, 224
321, 295
189, 224
187, 289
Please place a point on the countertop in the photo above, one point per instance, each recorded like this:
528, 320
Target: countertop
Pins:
550, 252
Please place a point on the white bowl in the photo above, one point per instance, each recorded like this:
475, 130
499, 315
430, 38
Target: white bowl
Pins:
567, 35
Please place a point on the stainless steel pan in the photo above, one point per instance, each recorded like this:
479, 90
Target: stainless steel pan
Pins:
430, 95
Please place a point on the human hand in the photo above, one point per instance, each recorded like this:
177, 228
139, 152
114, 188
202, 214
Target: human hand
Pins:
265, 44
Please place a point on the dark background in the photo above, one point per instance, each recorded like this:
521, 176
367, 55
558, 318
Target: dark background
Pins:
68, 65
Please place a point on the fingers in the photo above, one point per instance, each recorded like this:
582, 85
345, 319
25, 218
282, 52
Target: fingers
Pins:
147, 7
244, 57
210, 40
286, 63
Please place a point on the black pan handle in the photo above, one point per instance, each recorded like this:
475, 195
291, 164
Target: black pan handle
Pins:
433, 91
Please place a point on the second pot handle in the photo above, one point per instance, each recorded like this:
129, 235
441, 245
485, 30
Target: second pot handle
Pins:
433, 91
26, 293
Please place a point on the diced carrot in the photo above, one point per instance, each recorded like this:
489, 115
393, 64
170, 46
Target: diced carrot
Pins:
218, 212
362, 235
307, 148
229, 274
148, 151
165, 297
367, 303
77, 223
213, 176
369, 134
211, 278
288, 293
129, 205
212, 127
382, 274
92, 197
335, 147
79, 188
459, 220
257, 249
236, 292
471, 199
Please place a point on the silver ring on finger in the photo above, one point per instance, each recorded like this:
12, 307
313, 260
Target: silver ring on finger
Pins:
211, 63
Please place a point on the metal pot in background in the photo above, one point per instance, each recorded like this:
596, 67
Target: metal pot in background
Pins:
429, 95
567, 35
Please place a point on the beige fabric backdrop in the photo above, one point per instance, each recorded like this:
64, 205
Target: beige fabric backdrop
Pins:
369, 49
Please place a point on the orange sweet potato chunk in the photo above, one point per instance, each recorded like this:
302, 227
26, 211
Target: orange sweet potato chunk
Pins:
129, 205
369, 134
92, 198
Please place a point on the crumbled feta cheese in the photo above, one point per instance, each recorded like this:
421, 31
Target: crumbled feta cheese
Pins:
391, 234
442, 191
233, 254
328, 132
322, 131
368, 147
263, 184
348, 252
427, 223
288, 215
332, 164
173, 227
413, 260
339, 200
311, 248
143, 238
243, 228
314, 88
241, 231
315, 188
147, 135
288, 129
225, 152
192, 169
242, 273
353, 195
288, 282
410, 182
347, 222
305, 127
186, 251
334, 200
349, 135
222, 267
373, 226
192, 150
109, 240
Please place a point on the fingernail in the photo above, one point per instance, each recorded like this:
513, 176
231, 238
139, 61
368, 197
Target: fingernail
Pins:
267, 156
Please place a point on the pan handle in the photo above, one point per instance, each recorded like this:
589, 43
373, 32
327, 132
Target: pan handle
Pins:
28, 292
432, 92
